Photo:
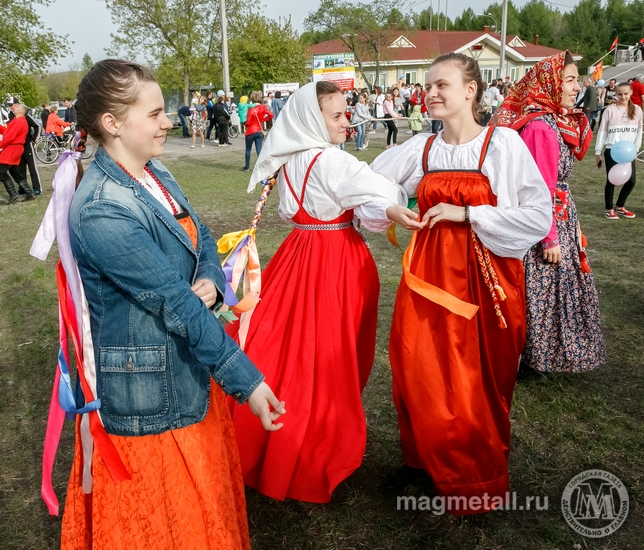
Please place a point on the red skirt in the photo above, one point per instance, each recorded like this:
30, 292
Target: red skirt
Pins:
313, 336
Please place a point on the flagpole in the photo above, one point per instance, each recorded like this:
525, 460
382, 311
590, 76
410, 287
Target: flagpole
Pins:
601, 58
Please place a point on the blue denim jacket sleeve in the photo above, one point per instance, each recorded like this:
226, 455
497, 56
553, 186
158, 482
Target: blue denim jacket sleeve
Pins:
113, 240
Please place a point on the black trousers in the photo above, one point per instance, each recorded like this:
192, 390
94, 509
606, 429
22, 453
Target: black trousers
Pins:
18, 172
392, 134
609, 190
30, 160
222, 133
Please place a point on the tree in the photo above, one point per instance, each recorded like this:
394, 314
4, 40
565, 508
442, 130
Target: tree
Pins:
626, 20
182, 38
470, 21
587, 32
538, 18
263, 51
25, 46
362, 29
24, 40
513, 21
86, 64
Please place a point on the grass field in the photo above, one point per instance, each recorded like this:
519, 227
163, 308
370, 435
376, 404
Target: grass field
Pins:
570, 424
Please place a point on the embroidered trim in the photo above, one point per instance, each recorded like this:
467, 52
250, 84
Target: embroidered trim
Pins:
323, 226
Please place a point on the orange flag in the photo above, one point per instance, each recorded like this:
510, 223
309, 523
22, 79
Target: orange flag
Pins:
615, 42
599, 70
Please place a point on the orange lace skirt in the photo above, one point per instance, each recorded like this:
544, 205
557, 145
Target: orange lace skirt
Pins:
186, 492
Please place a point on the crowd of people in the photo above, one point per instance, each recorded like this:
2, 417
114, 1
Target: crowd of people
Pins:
496, 287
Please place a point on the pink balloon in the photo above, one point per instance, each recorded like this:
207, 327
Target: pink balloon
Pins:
620, 174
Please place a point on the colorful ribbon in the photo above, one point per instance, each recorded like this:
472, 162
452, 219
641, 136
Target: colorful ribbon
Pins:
74, 325
242, 266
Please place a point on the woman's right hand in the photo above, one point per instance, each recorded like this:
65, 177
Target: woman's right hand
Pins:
598, 161
552, 255
260, 403
405, 217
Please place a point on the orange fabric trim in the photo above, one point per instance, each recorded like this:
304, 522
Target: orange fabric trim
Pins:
431, 292
191, 229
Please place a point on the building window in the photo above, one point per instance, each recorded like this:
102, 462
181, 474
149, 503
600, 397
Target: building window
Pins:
488, 75
411, 77
515, 73
383, 80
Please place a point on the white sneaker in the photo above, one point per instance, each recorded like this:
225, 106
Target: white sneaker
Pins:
372, 131
408, 132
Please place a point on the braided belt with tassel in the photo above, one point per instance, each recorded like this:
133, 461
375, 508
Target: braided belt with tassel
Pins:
490, 277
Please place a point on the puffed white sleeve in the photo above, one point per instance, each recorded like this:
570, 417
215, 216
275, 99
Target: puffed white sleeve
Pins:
403, 164
523, 214
352, 184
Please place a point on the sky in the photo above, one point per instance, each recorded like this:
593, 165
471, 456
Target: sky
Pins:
88, 23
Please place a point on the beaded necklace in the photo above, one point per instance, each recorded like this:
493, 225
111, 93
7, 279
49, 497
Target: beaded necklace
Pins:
168, 197
183, 218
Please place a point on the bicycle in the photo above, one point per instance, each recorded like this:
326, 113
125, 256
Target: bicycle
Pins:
48, 148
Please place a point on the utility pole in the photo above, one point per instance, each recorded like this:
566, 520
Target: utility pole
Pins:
504, 28
446, 1
224, 46
431, 15
438, 26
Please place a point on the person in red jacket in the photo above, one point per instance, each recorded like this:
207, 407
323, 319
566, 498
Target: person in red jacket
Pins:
256, 117
55, 124
12, 145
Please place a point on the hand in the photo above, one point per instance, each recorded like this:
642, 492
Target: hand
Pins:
444, 212
552, 255
260, 403
405, 217
598, 161
205, 290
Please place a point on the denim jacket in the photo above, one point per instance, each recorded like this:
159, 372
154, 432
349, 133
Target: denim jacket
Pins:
156, 343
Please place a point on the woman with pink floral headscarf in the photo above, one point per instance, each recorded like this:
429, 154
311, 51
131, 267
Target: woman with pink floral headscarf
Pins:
563, 322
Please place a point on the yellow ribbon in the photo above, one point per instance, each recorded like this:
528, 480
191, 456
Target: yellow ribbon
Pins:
391, 235
229, 241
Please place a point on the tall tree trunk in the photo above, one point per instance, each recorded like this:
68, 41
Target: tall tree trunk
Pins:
186, 88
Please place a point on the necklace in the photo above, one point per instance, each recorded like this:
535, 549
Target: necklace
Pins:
149, 172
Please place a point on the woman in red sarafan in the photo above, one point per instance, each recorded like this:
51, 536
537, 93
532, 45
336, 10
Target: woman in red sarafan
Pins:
459, 319
313, 332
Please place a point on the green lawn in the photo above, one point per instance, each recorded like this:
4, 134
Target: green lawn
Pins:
573, 423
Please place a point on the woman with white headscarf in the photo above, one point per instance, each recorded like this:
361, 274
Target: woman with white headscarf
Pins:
313, 332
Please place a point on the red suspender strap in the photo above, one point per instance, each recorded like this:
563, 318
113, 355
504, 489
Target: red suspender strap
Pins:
428, 146
288, 182
306, 177
300, 200
486, 144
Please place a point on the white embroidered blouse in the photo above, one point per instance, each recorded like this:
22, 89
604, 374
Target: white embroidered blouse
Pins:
338, 182
523, 214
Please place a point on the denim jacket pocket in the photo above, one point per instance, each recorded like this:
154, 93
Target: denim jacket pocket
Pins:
134, 381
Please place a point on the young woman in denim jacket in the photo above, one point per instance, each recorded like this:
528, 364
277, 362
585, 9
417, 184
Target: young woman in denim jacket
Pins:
151, 275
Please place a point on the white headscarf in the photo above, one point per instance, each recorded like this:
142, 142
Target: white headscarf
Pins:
299, 127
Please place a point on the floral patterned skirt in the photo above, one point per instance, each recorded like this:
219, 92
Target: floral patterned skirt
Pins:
563, 321
199, 124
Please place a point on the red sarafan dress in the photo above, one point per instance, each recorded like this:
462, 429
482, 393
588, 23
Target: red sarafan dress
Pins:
313, 336
453, 378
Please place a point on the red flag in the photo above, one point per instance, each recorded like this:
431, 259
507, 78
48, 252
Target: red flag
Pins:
615, 42
599, 70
